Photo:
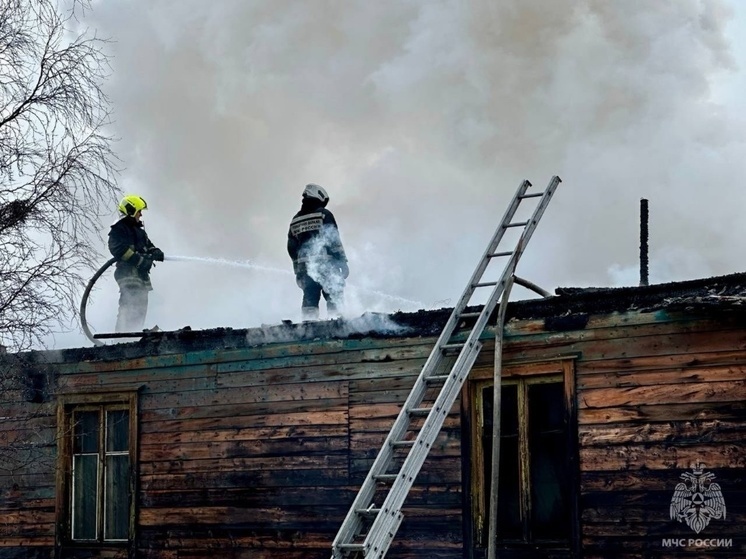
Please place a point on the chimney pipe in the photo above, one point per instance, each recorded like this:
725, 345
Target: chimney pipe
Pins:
643, 241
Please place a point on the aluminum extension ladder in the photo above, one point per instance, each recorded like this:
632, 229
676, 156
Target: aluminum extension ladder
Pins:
368, 530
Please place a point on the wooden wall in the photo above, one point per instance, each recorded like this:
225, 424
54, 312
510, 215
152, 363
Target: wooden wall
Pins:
27, 462
257, 453
656, 394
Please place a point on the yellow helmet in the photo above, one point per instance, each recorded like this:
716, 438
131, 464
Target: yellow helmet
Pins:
131, 204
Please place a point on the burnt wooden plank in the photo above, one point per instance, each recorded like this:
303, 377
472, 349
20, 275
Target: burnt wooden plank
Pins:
670, 412
679, 432
398, 383
31, 423
320, 417
258, 394
382, 353
660, 499
247, 496
252, 409
644, 456
629, 347
286, 497
600, 329
27, 525
259, 551
651, 546
13, 494
289, 477
710, 392
188, 378
261, 517
653, 480
715, 356
221, 466
244, 434
26, 478
91, 552
330, 371
323, 348
25, 501
244, 448
657, 514
624, 379
380, 363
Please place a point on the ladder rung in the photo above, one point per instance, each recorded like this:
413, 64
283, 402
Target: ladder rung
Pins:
385, 477
436, 378
470, 314
517, 224
498, 254
402, 444
368, 513
352, 546
452, 346
485, 284
532, 195
419, 411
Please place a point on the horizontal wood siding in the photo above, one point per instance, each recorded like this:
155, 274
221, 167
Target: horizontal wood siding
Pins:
656, 395
27, 470
258, 453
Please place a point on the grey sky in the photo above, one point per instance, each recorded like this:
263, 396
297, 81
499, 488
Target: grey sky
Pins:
420, 119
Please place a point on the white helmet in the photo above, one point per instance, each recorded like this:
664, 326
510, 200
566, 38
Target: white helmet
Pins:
316, 192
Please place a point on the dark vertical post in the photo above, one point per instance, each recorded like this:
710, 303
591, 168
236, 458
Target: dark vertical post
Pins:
643, 241
497, 391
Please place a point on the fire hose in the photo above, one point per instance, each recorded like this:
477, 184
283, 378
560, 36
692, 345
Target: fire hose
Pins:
84, 301
87, 292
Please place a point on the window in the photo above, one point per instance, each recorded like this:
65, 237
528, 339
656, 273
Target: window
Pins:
97, 454
536, 500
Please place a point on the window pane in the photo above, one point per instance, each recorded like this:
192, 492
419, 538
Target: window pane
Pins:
85, 429
117, 430
550, 518
85, 496
508, 512
116, 521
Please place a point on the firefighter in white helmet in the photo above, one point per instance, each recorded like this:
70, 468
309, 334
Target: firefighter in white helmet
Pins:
135, 254
319, 260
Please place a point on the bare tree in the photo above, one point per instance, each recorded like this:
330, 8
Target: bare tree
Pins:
57, 169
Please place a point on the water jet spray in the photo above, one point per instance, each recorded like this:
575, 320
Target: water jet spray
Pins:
220, 261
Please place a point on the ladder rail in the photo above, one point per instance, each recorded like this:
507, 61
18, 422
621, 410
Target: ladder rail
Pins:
483, 263
383, 529
494, 242
512, 263
383, 459
388, 517
434, 422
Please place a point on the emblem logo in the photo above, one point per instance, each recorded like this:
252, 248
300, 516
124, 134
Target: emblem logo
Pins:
697, 499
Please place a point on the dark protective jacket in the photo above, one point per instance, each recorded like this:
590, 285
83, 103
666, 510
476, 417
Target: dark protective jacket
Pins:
129, 243
313, 235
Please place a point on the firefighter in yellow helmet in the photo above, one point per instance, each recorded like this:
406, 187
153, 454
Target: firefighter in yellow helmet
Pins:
135, 254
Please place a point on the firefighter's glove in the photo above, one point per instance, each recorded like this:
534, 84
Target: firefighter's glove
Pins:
156, 254
344, 269
143, 267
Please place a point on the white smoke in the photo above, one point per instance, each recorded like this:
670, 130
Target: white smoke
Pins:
420, 119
